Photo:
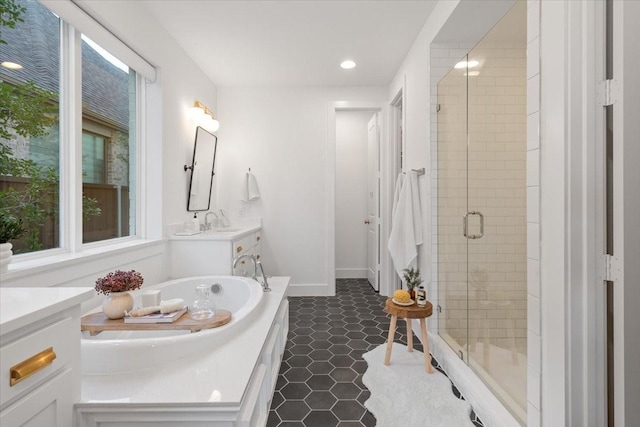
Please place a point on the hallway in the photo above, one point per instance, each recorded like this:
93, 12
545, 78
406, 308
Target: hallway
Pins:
320, 380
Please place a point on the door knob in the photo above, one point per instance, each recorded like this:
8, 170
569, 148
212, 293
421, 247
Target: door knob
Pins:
366, 221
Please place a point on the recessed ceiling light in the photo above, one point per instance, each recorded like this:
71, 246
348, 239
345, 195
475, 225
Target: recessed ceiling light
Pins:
11, 65
466, 64
348, 64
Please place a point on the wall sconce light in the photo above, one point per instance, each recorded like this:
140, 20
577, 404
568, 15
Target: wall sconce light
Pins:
204, 117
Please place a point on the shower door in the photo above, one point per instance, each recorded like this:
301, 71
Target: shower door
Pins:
482, 224
451, 207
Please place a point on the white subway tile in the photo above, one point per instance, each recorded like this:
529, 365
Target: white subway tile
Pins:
533, 131
533, 241
534, 354
533, 277
533, 314
533, 168
533, 57
533, 21
533, 204
533, 416
533, 94
533, 388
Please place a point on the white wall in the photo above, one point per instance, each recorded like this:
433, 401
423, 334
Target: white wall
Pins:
351, 193
413, 79
282, 134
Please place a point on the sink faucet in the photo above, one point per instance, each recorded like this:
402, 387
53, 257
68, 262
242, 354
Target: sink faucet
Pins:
207, 224
256, 264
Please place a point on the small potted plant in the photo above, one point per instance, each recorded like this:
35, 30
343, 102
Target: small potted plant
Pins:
412, 279
10, 229
116, 286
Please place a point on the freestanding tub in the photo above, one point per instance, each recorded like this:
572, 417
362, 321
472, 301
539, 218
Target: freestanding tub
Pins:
112, 352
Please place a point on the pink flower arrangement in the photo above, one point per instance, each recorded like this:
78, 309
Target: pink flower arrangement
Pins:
119, 281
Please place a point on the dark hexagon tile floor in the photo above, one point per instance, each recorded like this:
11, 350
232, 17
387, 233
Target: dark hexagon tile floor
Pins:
320, 379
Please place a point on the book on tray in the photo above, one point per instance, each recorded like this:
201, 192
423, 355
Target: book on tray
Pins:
156, 317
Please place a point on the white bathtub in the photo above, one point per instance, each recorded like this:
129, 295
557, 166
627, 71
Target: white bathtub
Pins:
112, 352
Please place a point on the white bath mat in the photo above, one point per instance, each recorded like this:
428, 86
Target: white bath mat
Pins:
404, 395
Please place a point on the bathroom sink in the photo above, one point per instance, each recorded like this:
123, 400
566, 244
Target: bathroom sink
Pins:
224, 230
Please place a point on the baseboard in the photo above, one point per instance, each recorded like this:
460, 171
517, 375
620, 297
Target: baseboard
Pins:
485, 404
351, 273
308, 290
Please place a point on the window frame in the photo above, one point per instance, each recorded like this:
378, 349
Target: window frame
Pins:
70, 167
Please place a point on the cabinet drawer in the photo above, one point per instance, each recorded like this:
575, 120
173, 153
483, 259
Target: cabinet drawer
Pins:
48, 406
257, 251
242, 245
61, 336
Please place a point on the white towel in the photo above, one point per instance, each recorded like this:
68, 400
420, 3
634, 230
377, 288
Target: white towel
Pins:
406, 226
251, 191
417, 209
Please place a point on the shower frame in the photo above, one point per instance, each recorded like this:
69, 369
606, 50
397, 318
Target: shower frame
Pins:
474, 290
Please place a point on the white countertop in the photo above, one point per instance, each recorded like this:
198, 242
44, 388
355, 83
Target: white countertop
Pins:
218, 376
230, 233
22, 306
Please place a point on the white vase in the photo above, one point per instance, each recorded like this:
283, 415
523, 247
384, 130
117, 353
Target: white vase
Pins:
116, 304
5, 256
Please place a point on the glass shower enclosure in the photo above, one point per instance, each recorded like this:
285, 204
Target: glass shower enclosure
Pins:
481, 209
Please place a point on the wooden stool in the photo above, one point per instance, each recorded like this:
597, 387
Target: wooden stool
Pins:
408, 313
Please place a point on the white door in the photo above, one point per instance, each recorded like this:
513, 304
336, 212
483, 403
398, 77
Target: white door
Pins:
373, 211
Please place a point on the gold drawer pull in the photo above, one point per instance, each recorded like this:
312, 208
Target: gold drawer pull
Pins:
258, 238
239, 249
258, 257
30, 366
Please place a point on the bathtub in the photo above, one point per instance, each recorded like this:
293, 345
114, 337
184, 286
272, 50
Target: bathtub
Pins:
229, 384
113, 352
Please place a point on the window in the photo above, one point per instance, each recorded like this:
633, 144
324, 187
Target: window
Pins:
29, 132
109, 110
33, 172
93, 162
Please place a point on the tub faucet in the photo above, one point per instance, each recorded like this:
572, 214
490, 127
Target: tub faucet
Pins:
256, 264
252, 258
265, 284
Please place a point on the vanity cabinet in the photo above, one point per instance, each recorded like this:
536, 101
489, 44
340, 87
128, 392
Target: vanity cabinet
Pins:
205, 255
40, 355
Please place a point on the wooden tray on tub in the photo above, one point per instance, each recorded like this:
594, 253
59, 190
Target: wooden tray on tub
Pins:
97, 322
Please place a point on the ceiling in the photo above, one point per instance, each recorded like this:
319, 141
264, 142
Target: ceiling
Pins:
295, 42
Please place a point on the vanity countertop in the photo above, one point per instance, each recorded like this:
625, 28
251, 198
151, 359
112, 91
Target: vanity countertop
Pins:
220, 233
21, 306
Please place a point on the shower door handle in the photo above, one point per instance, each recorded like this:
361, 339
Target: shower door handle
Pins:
465, 225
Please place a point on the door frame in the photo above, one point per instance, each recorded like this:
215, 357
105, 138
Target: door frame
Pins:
572, 187
330, 179
396, 148
375, 194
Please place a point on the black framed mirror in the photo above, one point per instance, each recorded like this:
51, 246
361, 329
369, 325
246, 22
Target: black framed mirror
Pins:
202, 171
